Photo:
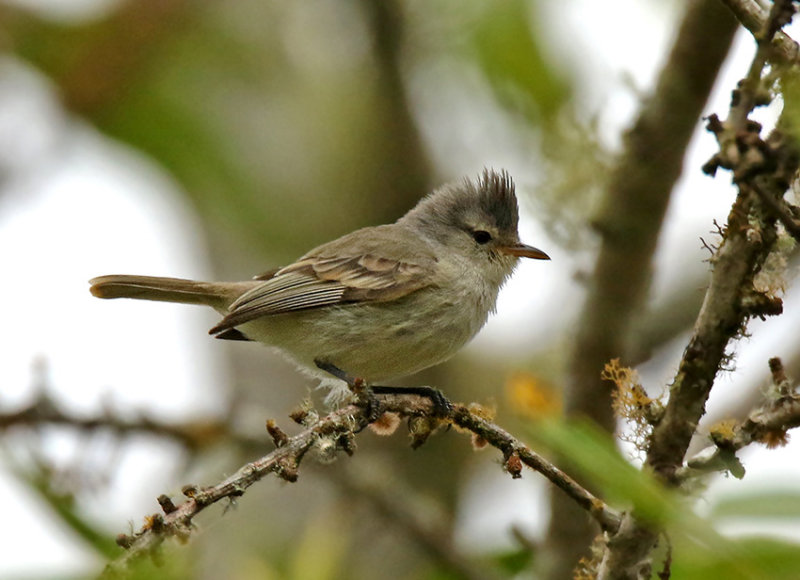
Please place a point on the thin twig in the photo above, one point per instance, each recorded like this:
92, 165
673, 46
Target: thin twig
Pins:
283, 461
779, 209
753, 17
768, 425
336, 428
608, 518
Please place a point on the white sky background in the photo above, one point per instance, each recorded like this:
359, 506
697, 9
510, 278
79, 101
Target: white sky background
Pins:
79, 205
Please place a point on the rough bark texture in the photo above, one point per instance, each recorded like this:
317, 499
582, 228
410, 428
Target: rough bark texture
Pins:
629, 225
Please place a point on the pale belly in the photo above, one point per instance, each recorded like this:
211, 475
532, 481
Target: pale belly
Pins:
376, 341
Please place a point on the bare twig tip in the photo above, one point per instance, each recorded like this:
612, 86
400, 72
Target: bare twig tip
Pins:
513, 465
124, 541
166, 503
278, 436
189, 490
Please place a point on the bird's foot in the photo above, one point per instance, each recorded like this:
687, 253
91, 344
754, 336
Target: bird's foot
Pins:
366, 394
442, 407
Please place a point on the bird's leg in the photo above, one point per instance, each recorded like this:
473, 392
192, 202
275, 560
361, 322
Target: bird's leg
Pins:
332, 369
442, 407
360, 389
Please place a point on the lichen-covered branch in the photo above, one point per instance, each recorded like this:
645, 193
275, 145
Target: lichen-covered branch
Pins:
327, 435
731, 298
177, 521
768, 425
753, 17
636, 201
628, 226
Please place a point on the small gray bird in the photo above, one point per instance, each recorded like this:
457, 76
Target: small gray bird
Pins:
379, 303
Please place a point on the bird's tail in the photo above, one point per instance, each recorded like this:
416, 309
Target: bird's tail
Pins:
218, 295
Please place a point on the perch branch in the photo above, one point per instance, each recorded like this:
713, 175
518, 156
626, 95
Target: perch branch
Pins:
177, 520
329, 434
497, 437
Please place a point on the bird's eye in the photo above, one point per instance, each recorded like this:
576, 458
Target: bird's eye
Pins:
482, 236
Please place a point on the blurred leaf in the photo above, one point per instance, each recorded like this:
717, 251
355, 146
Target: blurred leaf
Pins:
512, 59
514, 562
699, 551
252, 567
761, 504
171, 562
595, 455
790, 117
742, 558
321, 551
63, 506
732, 463
531, 396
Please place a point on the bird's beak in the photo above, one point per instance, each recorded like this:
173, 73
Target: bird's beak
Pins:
524, 251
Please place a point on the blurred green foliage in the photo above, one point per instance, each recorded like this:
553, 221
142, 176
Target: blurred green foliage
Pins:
513, 60
698, 550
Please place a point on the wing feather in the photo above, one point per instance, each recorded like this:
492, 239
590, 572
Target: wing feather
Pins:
304, 288
319, 279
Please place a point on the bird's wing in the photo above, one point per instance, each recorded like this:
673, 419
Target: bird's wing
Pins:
378, 271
